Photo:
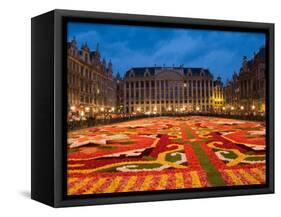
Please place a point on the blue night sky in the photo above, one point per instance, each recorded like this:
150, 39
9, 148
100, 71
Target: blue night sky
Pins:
138, 46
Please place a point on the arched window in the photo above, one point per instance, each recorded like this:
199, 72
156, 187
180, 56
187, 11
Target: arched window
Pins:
146, 74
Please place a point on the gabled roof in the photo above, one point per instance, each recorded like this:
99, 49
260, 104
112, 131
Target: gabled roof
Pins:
261, 53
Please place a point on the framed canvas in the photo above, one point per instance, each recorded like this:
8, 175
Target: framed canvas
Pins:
134, 108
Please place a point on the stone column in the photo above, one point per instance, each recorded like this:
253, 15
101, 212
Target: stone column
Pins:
140, 93
173, 94
170, 93
182, 94
125, 96
205, 94
196, 93
212, 91
144, 95
209, 94
178, 93
165, 97
200, 95
156, 94
150, 99
134, 96
191, 89
160, 95
130, 97
187, 93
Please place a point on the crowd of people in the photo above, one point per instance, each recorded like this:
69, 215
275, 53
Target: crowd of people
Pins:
78, 120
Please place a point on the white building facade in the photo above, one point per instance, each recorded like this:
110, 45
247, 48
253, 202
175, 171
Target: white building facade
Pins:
169, 89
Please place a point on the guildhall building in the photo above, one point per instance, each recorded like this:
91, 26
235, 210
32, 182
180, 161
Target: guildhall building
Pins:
171, 89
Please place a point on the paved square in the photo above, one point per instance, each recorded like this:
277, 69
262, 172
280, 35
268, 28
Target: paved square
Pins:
164, 153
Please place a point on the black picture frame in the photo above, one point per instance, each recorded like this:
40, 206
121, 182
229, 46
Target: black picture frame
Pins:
48, 108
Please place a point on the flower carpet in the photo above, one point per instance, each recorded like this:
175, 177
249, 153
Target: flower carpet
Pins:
165, 153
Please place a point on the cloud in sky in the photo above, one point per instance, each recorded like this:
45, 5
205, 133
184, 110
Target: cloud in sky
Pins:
135, 46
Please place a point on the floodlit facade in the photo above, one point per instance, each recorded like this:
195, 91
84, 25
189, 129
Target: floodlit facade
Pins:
91, 85
170, 89
247, 90
93, 89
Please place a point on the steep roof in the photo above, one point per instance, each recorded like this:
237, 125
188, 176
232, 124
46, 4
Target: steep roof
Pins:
250, 63
261, 53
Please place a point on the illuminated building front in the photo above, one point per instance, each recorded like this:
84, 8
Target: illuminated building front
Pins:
91, 85
93, 89
246, 91
171, 89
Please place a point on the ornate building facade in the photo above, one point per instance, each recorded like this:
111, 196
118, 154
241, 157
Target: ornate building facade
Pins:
247, 90
91, 85
171, 89
218, 95
92, 88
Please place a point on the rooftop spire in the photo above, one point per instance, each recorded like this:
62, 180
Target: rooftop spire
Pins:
73, 41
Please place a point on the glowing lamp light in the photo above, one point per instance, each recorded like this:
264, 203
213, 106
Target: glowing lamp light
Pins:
72, 108
242, 107
138, 109
169, 109
87, 109
112, 109
82, 113
197, 108
253, 107
102, 109
223, 108
232, 108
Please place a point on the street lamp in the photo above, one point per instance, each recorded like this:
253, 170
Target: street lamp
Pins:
147, 113
197, 108
242, 107
253, 107
232, 108
102, 109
